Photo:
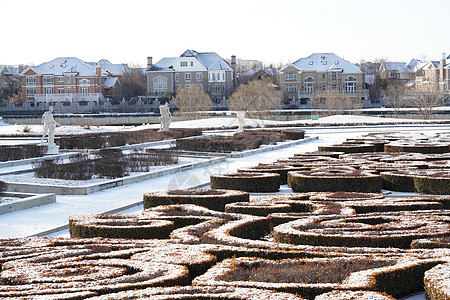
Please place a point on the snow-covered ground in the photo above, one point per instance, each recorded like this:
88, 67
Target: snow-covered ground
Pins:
48, 217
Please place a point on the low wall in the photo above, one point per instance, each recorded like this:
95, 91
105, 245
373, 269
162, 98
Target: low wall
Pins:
27, 201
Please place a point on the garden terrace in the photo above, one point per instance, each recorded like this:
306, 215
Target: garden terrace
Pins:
334, 179
437, 282
252, 182
214, 198
107, 163
396, 230
114, 139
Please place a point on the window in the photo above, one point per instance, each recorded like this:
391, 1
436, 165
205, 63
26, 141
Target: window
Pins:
334, 87
310, 83
333, 75
60, 79
213, 76
48, 80
31, 80
336, 62
183, 64
323, 88
69, 79
187, 76
199, 76
31, 92
350, 84
187, 87
392, 74
216, 88
60, 90
48, 90
177, 77
85, 90
290, 76
323, 75
84, 82
311, 63
69, 90
324, 62
192, 63
291, 88
159, 84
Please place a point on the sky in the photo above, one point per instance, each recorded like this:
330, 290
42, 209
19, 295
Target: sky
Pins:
272, 31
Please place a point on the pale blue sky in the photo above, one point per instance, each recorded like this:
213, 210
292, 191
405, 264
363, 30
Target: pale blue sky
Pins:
273, 31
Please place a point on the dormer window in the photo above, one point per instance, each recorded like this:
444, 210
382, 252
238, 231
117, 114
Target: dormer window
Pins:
324, 62
183, 64
336, 62
311, 63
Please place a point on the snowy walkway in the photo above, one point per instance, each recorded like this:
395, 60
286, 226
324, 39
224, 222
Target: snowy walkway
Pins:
48, 217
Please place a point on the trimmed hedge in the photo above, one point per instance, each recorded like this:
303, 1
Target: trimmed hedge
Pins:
119, 226
214, 199
249, 182
3, 186
293, 134
435, 182
354, 295
17, 152
347, 148
328, 179
437, 282
384, 230
281, 169
417, 147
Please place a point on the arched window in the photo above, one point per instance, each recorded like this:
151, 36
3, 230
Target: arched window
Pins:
310, 84
350, 84
84, 82
159, 84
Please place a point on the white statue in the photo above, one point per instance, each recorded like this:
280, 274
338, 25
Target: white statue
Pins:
49, 126
240, 119
166, 117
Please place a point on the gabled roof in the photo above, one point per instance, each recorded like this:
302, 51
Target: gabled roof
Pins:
414, 65
210, 60
62, 65
323, 62
109, 68
395, 66
435, 63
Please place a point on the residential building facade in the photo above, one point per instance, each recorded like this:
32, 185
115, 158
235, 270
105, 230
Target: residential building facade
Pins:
207, 70
321, 72
434, 75
69, 82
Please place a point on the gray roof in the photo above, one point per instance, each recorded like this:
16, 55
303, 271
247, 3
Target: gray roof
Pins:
210, 60
396, 66
323, 62
61, 65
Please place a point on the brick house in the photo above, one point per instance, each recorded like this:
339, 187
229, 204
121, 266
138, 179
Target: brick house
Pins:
206, 69
320, 72
70, 82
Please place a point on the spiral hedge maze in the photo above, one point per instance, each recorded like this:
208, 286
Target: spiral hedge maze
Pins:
217, 243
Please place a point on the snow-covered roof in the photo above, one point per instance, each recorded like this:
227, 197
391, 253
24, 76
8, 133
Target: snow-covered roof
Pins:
395, 66
113, 69
414, 65
62, 65
210, 60
110, 82
323, 62
9, 70
251, 72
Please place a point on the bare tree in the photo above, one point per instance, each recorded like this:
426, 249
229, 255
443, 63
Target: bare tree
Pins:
132, 84
256, 98
330, 102
426, 100
397, 97
192, 101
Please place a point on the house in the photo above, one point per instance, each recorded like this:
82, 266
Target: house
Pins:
399, 72
244, 65
9, 83
434, 75
270, 74
207, 69
321, 72
70, 82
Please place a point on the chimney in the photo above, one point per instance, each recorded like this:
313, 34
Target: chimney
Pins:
233, 62
98, 72
149, 61
442, 64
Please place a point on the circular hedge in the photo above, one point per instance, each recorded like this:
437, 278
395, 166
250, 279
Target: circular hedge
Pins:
214, 199
345, 196
328, 179
250, 182
417, 147
435, 182
368, 230
119, 226
437, 282
281, 169
347, 148
260, 208
354, 295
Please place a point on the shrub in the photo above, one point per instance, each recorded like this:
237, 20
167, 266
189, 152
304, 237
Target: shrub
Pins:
437, 282
18, 152
3, 186
249, 182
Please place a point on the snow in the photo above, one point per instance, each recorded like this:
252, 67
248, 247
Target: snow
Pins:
44, 218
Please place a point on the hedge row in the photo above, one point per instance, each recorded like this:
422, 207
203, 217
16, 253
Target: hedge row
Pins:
18, 152
437, 282
252, 182
114, 139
